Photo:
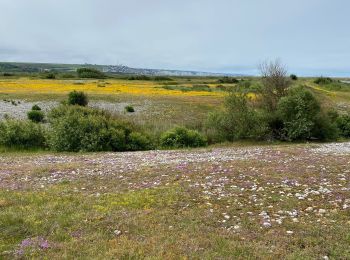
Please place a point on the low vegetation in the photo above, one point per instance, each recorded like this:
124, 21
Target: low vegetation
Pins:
36, 116
180, 137
78, 98
228, 80
90, 73
293, 77
75, 128
22, 134
277, 107
129, 109
281, 112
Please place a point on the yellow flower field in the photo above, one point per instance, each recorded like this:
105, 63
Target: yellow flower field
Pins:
113, 86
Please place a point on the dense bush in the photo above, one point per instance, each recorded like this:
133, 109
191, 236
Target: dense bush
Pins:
301, 115
294, 77
129, 109
228, 80
343, 124
20, 133
36, 107
239, 120
90, 73
162, 78
181, 137
36, 116
139, 77
75, 128
67, 75
77, 98
49, 75
298, 116
138, 142
323, 81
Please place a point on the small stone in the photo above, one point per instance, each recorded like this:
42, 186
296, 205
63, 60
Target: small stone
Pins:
321, 211
309, 209
267, 224
117, 232
289, 232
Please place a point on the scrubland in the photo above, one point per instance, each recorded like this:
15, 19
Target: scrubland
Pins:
240, 200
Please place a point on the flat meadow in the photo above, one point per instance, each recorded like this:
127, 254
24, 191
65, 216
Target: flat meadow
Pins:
240, 200
155, 105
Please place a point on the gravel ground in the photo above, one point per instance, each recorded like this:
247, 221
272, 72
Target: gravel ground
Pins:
19, 108
293, 197
106, 165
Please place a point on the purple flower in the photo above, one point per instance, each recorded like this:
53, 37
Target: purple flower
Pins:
43, 243
26, 242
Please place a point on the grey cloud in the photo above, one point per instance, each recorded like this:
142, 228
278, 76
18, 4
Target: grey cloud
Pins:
311, 36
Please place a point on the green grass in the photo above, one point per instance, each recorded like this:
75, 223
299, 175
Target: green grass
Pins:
79, 215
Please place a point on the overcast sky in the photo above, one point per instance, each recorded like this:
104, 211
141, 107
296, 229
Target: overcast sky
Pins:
310, 36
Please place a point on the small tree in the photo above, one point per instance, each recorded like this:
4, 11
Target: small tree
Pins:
238, 120
293, 77
275, 83
77, 98
36, 116
301, 115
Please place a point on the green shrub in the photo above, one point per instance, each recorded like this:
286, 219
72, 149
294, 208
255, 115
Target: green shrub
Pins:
228, 80
343, 124
49, 75
129, 109
323, 81
221, 87
20, 133
139, 77
75, 128
77, 98
162, 78
294, 77
35, 116
138, 142
324, 128
67, 76
201, 87
238, 120
36, 107
301, 115
90, 73
180, 137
